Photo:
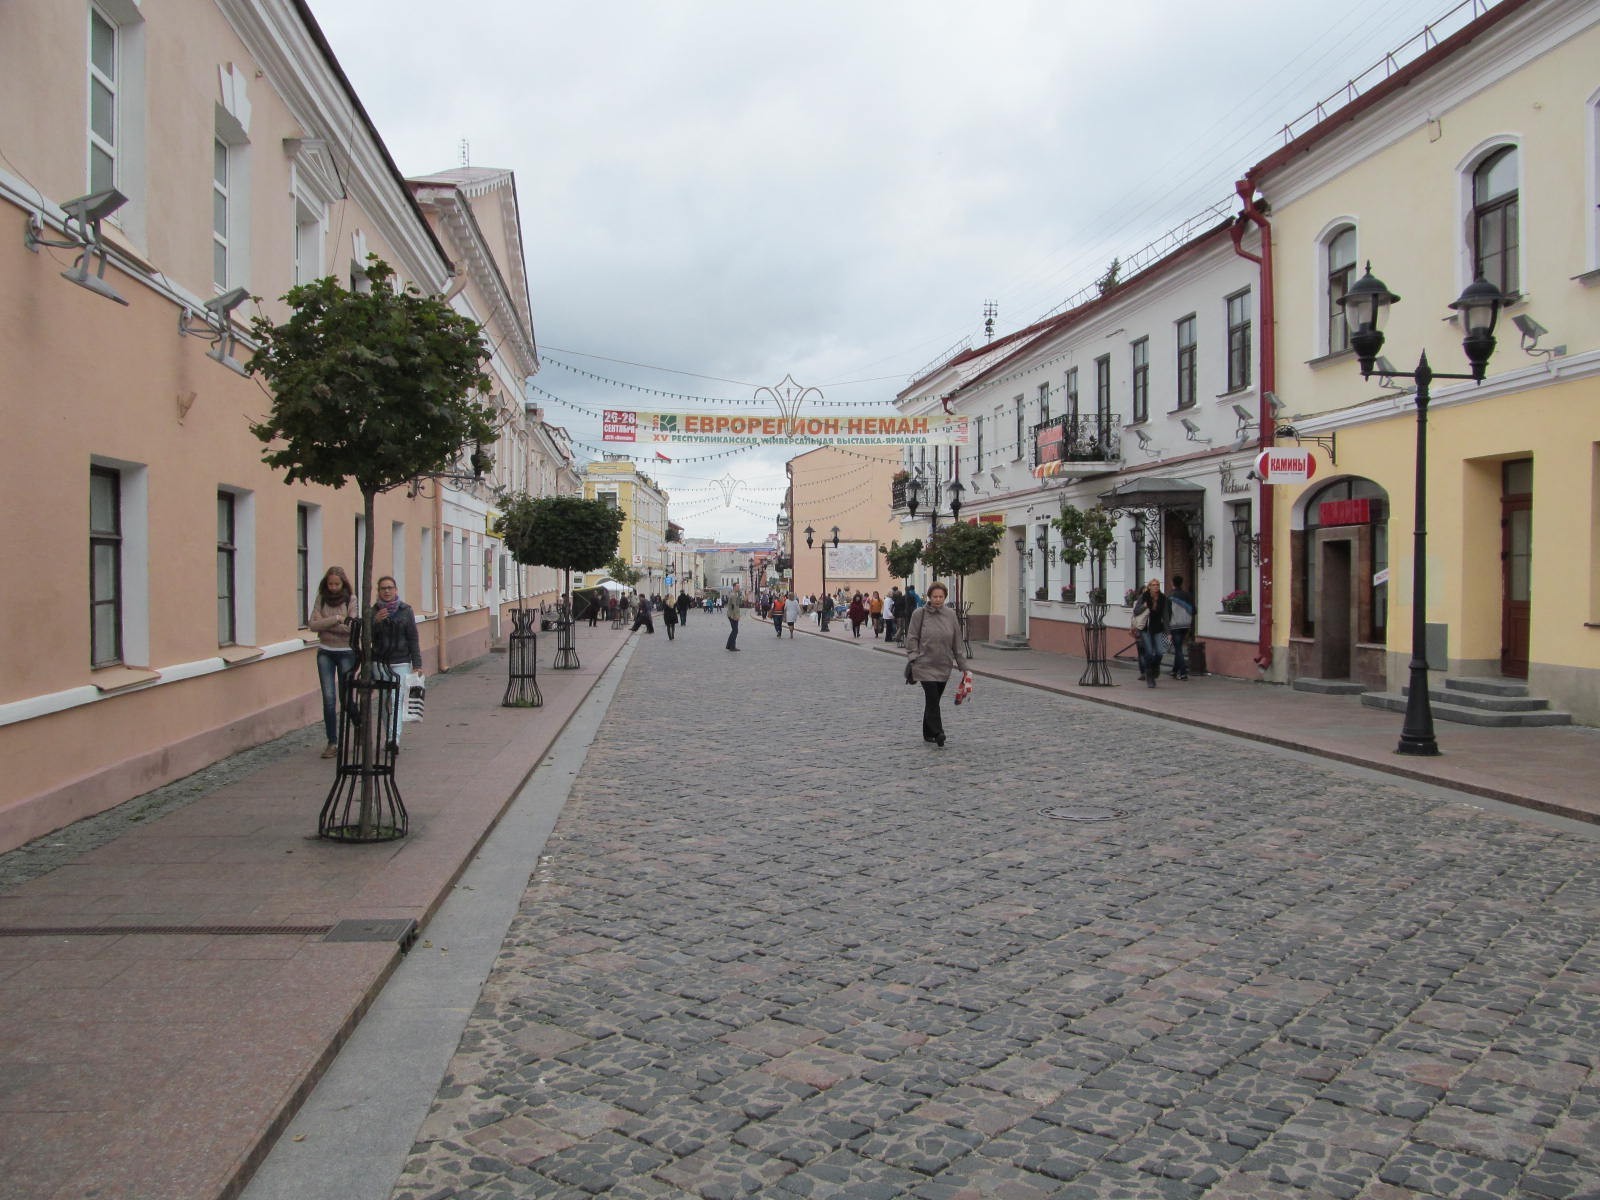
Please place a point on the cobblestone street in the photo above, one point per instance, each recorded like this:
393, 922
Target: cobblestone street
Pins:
780, 946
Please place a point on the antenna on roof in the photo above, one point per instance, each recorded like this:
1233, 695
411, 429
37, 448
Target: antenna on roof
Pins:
991, 310
466, 153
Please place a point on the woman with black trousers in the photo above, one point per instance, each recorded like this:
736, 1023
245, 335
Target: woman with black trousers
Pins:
933, 647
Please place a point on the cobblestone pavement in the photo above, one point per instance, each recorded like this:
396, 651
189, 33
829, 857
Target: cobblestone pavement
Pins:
779, 946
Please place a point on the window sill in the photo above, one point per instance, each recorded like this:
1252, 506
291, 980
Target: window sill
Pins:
1588, 278
1236, 618
1328, 360
1247, 390
1180, 410
234, 655
116, 679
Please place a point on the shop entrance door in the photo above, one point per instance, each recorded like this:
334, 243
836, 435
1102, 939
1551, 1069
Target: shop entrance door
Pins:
1516, 564
1333, 610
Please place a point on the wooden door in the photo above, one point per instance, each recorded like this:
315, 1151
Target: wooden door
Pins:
1516, 565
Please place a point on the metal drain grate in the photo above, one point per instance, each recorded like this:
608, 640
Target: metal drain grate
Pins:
200, 930
402, 930
1082, 812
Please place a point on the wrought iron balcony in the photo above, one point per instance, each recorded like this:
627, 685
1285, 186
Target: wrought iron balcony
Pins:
897, 493
1088, 444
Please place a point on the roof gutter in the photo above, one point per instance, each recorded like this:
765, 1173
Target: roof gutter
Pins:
1266, 425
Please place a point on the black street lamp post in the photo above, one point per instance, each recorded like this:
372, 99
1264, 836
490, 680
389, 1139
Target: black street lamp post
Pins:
1366, 306
825, 611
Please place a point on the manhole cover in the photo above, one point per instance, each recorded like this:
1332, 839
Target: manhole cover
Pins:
1082, 812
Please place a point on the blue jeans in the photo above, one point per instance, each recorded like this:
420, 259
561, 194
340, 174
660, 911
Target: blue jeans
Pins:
333, 669
1180, 660
1149, 653
733, 634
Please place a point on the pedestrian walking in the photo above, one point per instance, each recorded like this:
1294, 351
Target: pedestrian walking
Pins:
396, 649
330, 619
905, 603
594, 610
858, 614
643, 618
669, 619
1180, 626
890, 621
1151, 612
875, 610
791, 613
684, 605
734, 603
777, 615
933, 647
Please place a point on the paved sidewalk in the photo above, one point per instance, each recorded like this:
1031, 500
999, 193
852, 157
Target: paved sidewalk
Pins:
161, 1066
1554, 769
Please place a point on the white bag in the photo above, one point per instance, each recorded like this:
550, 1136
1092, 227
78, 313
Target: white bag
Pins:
413, 695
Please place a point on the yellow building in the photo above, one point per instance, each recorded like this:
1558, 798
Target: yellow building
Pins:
1477, 156
642, 544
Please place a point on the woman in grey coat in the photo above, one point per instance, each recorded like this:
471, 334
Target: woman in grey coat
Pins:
933, 646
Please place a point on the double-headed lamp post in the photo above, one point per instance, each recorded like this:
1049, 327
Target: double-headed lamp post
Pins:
827, 610
1366, 306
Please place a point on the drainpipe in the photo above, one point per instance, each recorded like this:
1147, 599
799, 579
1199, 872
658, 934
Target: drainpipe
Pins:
1266, 424
438, 573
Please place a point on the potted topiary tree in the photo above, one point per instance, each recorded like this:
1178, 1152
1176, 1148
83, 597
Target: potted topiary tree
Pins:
1086, 535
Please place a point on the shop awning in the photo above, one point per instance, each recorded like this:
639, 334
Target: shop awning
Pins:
1154, 491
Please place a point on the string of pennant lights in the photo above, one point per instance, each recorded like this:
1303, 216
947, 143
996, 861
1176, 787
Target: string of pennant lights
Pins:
668, 395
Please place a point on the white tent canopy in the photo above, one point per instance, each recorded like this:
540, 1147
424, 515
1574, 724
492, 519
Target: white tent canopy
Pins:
611, 585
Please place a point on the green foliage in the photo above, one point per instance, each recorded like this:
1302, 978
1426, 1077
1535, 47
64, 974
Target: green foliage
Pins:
379, 386
963, 549
569, 533
901, 557
1083, 532
1111, 280
622, 572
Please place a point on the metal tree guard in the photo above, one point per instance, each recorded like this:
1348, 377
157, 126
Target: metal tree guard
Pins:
1096, 672
371, 709
522, 690
566, 653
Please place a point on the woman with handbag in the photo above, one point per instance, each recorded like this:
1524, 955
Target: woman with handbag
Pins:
1152, 614
933, 646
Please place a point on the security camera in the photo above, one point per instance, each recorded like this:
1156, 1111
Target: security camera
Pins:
96, 206
1243, 413
1144, 438
1189, 426
1277, 405
221, 306
1528, 327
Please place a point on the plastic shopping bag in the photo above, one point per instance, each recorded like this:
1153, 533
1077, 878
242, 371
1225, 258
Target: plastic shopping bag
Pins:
964, 688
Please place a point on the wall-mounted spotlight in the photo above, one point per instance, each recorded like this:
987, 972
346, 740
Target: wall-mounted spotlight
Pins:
216, 325
1246, 417
1192, 431
1531, 332
1277, 405
88, 211
1146, 444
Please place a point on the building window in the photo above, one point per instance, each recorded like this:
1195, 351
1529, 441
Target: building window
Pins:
1141, 380
397, 555
1186, 362
105, 567
302, 562
425, 565
104, 74
1044, 403
1341, 262
1239, 341
1243, 579
219, 212
1494, 220
227, 551
977, 452
1022, 435
1069, 392
1102, 394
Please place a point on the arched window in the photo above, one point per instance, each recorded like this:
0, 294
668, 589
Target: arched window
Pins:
1341, 271
1495, 222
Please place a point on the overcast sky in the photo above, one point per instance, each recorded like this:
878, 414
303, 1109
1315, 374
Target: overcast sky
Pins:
719, 193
